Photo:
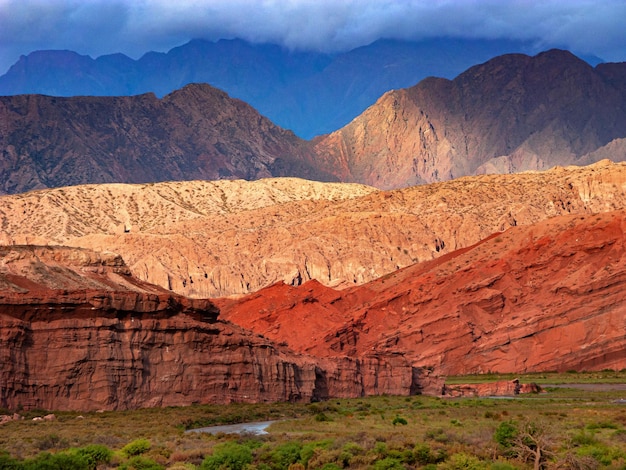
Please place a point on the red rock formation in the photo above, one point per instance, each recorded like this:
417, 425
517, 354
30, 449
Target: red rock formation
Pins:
502, 388
78, 332
549, 296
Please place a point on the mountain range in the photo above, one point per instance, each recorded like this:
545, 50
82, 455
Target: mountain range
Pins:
544, 291
512, 113
453, 229
310, 93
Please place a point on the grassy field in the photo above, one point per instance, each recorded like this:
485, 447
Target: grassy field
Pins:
571, 428
605, 376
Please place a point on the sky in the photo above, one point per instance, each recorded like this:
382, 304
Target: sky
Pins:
134, 27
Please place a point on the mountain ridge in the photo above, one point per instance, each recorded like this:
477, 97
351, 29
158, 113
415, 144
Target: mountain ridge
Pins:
308, 92
512, 113
197, 132
202, 239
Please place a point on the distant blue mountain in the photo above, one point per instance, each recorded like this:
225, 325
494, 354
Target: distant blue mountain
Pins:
310, 93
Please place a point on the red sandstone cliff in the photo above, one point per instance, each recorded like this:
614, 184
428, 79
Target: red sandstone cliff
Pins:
78, 332
548, 296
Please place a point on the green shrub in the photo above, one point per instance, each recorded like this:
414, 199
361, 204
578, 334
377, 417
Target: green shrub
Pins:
136, 447
321, 417
229, 455
60, 461
380, 449
506, 433
140, 463
284, 455
601, 453
603, 425
463, 461
95, 454
424, 455
9, 463
399, 420
583, 439
388, 463
309, 449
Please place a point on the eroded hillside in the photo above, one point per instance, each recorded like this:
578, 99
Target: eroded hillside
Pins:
547, 296
234, 237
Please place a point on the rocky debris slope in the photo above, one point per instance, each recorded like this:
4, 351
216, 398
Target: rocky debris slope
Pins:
77, 332
204, 239
197, 132
547, 296
513, 113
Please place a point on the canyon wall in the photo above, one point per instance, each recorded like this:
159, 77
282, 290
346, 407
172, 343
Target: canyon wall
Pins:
77, 332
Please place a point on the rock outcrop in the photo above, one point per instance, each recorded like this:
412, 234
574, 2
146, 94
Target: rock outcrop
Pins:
548, 296
77, 332
506, 388
209, 239
513, 113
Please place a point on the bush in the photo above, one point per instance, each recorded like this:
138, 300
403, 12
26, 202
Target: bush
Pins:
463, 461
309, 450
60, 461
583, 439
423, 455
140, 463
322, 417
228, 455
601, 453
9, 463
136, 447
399, 420
95, 454
284, 455
388, 463
505, 434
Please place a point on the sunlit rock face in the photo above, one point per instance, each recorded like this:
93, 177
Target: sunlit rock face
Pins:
78, 332
213, 239
542, 297
513, 113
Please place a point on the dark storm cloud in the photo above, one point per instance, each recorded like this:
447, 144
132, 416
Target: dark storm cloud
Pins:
97, 27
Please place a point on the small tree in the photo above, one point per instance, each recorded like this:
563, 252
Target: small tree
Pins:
533, 443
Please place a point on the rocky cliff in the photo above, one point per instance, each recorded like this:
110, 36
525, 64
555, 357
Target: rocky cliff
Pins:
209, 239
542, 297
513, 113
78, 332
197, 132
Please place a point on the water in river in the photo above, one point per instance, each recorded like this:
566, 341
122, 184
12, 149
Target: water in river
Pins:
248, 428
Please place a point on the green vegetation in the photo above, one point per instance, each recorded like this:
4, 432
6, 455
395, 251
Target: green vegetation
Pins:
564, 428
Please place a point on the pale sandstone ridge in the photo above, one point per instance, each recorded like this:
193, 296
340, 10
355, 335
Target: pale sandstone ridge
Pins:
77, 332
544, 297
215, 239
513, 113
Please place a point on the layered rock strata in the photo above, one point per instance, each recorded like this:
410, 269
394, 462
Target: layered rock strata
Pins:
77, 332
544, 297
210, 239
